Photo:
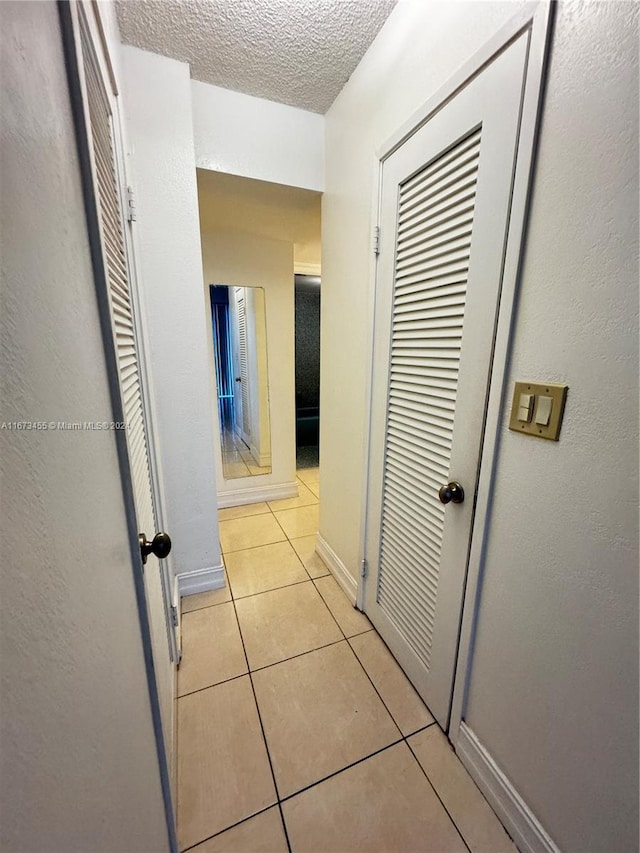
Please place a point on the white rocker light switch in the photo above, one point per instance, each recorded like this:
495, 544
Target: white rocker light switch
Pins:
525, 407
543, 412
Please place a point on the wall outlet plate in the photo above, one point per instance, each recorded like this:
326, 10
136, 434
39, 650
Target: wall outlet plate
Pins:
558, 394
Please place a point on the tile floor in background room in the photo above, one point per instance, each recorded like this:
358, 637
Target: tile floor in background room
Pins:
297, 730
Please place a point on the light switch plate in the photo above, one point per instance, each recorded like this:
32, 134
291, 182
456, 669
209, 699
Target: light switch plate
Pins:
558, 394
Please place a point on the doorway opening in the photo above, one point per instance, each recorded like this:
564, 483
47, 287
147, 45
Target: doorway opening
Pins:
261, 261
307, 326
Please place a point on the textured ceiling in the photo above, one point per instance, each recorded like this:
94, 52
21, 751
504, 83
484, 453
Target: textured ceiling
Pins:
298, 52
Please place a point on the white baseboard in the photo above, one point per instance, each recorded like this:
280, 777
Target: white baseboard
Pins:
201, 580
256, 494
337, 568
262, 460
520, 822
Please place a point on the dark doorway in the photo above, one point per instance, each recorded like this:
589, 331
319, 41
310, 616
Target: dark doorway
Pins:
307, 319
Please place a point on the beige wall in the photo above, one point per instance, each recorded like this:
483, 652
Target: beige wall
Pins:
275, 211
554, 679
78, 762
246, 260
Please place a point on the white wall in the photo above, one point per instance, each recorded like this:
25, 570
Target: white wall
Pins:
415, 52
256, 138
157, 109
554, 688
554, 682
78, 764
246, 260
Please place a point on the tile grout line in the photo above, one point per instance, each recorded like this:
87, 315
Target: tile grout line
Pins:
433, 720
249, 673
342, 770
273, 589
232, 601
435, 791
184, 613
284, 586
253, 547
264, 736
384, 704
217, 684
403, 738
264, 544
285, 799
226, 829
261, 668
315, 586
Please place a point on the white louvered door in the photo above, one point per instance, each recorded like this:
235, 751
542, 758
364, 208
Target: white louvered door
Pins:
100, 128
243, 358
445, 203
241, 403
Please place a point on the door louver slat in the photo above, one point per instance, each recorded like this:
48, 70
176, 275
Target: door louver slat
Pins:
433, 244
118, 282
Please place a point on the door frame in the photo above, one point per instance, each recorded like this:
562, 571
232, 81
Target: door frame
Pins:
70, 36
534, 20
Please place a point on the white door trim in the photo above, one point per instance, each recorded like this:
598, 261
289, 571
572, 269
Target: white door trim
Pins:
146, 384
537, 13
538, 22
534, 19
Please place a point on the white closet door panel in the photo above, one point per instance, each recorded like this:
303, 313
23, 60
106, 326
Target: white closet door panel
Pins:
445, 207
114, 250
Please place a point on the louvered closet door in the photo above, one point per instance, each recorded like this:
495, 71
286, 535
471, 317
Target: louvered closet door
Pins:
122, 316
244, 364
242, 418
445, 206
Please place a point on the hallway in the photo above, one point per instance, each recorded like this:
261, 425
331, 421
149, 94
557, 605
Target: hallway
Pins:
291, 709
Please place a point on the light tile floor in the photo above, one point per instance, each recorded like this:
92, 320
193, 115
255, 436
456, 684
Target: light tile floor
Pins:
237, 460
297, 729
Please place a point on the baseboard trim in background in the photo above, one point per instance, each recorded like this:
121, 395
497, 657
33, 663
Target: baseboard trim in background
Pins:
257, 494
200, 580
337, 568
520, 822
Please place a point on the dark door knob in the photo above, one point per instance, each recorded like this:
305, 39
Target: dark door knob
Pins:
160, 545
451, 492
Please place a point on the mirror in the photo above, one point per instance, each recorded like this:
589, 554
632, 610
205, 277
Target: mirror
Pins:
240, 353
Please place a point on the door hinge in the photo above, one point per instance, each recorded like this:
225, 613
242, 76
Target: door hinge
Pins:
131, 205
174, 616
363, 569
376, 240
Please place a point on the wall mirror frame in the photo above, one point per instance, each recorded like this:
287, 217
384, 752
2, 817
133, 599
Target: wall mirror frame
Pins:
239, 330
